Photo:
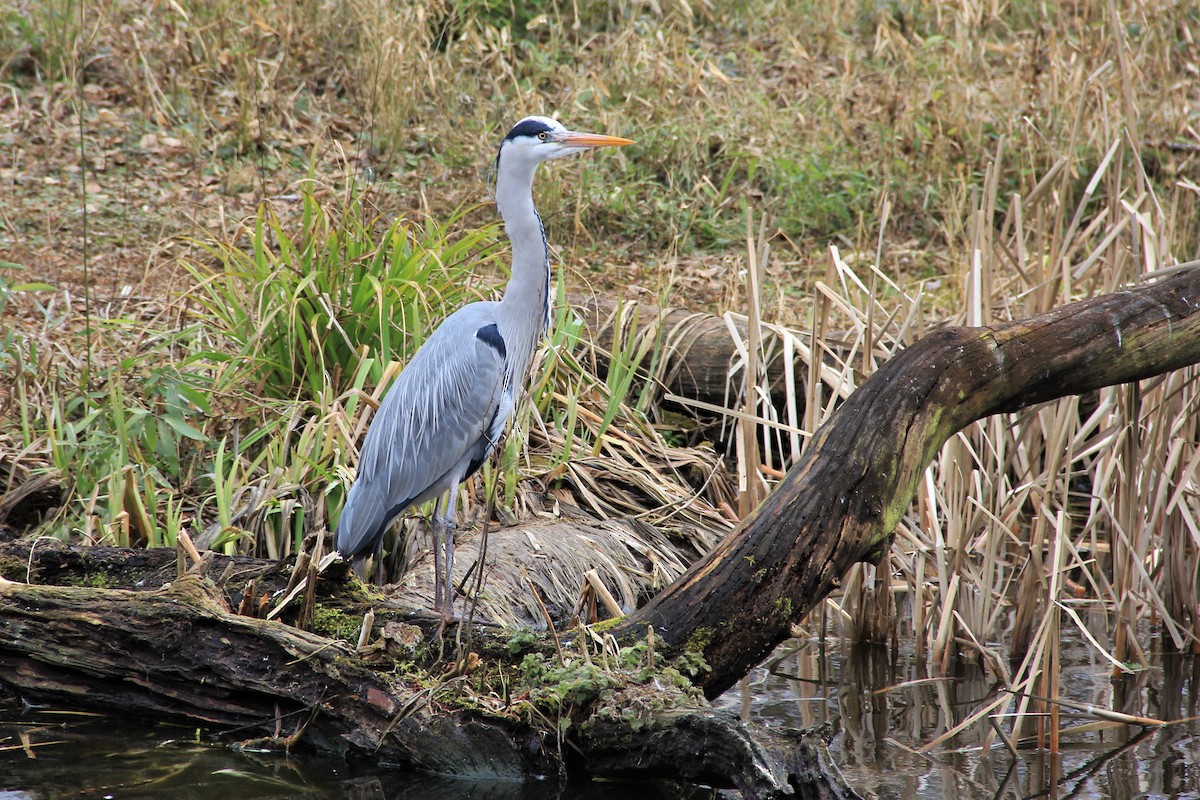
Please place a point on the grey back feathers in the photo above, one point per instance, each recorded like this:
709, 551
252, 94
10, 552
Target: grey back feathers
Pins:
441, 416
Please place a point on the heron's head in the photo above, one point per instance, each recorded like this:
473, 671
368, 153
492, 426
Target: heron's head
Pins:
537, 139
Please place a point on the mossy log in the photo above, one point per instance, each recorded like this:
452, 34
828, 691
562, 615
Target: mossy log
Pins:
412, 699
181, 651
178, 652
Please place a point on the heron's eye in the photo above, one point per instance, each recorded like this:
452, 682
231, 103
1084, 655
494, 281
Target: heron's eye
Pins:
542, 136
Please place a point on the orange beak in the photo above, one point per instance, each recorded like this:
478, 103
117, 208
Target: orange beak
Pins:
573, 139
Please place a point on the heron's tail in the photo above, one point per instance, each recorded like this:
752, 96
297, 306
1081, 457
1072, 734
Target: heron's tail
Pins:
362, 523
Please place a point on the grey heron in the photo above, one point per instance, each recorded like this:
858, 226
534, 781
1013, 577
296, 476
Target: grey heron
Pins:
449, 406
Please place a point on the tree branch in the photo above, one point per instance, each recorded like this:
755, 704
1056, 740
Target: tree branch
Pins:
841, 502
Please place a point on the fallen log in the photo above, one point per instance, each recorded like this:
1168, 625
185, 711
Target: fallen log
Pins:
699, 354
841, 502
605, 699
180, 652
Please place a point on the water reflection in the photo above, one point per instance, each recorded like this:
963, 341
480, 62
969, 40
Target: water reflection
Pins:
46, 756
884, 710
881, 708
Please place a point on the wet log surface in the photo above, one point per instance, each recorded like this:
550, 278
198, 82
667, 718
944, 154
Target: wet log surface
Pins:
449, 706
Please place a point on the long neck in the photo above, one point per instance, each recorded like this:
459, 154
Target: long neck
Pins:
526, 299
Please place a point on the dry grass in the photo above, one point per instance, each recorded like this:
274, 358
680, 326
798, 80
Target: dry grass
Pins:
908, 165
1028, 523
541, 566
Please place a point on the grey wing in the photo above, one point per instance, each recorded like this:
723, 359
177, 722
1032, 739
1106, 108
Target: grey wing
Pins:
438, 418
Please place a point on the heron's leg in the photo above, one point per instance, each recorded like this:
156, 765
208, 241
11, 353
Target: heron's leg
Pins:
360, 569
377, 562
438, 535
449, 526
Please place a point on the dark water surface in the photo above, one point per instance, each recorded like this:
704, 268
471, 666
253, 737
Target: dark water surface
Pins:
879, 710
84, 756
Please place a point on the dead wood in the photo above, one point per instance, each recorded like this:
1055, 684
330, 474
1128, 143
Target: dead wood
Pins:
25, 498
712, 748
180, 652
50, 562
842, 501
699, 352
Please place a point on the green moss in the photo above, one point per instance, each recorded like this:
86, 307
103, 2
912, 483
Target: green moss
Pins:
604, 626
336, 624
699, 640
561, 690
523, 640
13, 569
91, 580
641, 706
637, 655
783, 606
555, 687
688, 665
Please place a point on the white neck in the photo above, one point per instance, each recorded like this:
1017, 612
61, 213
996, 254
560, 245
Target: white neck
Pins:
526, 298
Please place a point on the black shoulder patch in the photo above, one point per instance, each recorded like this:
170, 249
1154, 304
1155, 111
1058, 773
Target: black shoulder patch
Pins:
490, 335
527, 127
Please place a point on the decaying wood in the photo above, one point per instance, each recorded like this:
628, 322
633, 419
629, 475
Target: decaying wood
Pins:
179, 650
50, 562
34, 494
706, 748
842, 501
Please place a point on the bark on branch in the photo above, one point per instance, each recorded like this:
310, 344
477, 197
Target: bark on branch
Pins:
842, 501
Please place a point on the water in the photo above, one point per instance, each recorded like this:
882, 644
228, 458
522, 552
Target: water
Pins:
882, 710
90, 756
879, 710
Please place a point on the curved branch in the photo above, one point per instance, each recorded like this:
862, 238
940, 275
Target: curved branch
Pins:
841, 502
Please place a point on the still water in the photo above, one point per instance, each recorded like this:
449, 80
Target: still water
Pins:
880, 710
